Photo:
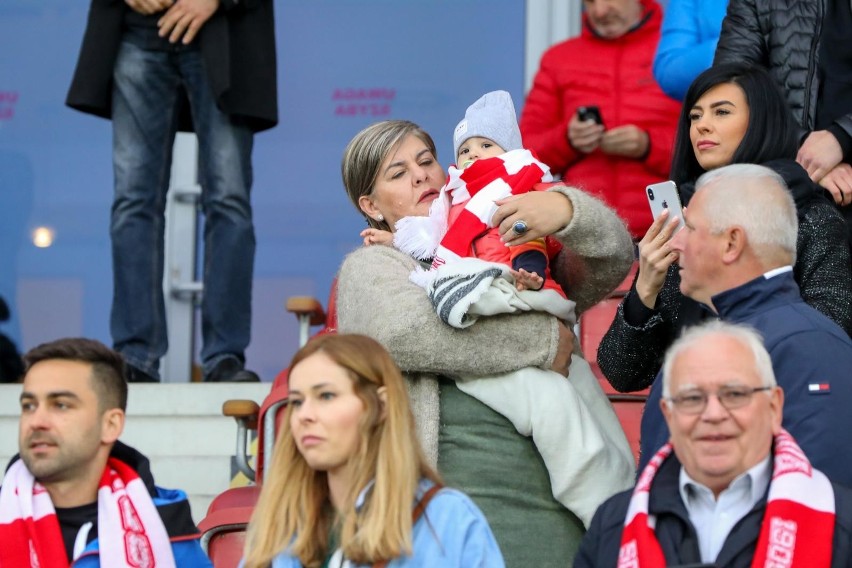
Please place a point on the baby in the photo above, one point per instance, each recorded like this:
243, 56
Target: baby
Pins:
489, 130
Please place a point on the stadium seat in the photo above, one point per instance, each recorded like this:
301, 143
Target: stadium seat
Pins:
223, 529
629, 408
594, 324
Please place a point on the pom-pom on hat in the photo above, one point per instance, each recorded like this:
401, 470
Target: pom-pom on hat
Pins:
493, 117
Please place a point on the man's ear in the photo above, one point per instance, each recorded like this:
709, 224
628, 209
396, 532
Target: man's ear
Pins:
776, 405
664, 407
383, 401
368, 207
736, 242
112, 425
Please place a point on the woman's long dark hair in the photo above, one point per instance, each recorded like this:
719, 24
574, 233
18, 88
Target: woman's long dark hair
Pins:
771, 134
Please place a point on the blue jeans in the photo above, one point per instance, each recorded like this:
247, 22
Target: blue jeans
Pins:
147, 85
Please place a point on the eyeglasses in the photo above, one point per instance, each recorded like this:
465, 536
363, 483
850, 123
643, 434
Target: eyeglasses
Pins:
695, 401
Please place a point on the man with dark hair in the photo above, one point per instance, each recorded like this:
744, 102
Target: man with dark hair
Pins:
75, 493
107, 367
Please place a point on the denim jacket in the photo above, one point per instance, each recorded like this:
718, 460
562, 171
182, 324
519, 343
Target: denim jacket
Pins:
451, 533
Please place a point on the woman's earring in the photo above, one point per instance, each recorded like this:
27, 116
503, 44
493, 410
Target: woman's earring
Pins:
380, 217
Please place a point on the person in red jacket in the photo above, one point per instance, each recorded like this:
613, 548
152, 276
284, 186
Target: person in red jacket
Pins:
609, 66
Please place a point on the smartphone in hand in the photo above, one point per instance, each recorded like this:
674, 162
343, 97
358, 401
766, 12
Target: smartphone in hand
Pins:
590, 113
664, 196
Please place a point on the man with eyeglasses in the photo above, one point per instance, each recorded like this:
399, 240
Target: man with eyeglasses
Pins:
731, 487
736, 252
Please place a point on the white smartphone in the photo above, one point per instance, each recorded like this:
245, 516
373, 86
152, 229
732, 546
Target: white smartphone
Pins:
664, 195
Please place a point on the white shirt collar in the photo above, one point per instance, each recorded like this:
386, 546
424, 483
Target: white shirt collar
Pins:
713, 518
758, 478
776, 271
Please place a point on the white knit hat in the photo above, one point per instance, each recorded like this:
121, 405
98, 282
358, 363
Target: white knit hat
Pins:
492, 116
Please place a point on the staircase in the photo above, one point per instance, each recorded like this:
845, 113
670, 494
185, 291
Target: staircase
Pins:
179, 427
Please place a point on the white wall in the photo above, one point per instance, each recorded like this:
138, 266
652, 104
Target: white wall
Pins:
548, 22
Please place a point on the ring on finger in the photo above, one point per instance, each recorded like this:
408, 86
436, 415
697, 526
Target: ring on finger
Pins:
520, 227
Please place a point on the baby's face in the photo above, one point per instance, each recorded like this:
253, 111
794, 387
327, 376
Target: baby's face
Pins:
475, 148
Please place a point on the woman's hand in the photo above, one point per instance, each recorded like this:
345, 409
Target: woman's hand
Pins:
564, 349
655, 258
544, 212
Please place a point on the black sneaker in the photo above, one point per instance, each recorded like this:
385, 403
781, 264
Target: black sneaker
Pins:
230, 370
136, 375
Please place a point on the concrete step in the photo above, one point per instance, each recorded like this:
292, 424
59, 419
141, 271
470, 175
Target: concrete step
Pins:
179, 427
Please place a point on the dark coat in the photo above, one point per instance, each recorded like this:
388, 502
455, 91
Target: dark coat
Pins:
237, 44
781, 36
806, 348
677, 536
11, 366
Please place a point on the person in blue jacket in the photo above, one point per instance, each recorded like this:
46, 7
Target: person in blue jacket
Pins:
75, 495
348, 483
687, 43
735, 254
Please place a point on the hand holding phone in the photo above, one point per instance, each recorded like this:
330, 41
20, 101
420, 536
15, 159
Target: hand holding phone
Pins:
664, 195
585, 129
655, 252
590, 112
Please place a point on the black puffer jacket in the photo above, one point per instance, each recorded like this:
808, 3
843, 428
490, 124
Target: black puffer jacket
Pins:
783, 37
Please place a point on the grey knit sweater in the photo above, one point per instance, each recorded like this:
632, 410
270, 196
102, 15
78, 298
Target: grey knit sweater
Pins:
375, 298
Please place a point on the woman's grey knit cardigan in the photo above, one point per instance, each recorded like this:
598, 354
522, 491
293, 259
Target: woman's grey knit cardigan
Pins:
375, 298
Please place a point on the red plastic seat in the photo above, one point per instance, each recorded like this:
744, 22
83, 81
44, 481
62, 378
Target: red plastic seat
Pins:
629, 408
595, 321
594, 324
223, 529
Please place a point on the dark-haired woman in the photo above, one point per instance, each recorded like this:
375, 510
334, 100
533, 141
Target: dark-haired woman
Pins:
732, 114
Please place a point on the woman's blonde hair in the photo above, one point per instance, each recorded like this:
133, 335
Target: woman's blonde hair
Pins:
363, 157
294, 511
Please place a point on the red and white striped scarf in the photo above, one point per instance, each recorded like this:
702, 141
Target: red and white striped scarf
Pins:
479, 186
797, 529
130, 530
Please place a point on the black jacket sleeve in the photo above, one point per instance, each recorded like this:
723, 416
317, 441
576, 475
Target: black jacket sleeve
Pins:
631, 353
823, 267
741, 40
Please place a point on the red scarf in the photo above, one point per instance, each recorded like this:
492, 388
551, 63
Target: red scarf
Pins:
130, 531
797, 529
479, 186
